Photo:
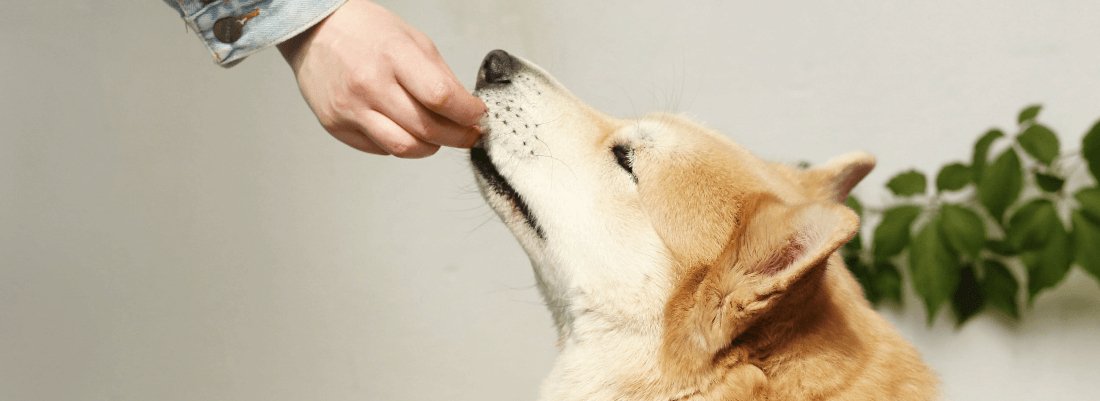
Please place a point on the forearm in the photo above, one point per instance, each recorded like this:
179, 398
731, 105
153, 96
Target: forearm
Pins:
234, 29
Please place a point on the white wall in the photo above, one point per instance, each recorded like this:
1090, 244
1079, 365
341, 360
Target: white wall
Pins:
173, 231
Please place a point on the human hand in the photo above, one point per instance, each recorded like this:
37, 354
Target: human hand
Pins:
379, 85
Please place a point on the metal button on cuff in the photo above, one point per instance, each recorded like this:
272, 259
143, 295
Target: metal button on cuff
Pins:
234, 29
229, 29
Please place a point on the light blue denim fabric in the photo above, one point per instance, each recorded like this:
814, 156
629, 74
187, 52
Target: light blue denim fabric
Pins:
278, 20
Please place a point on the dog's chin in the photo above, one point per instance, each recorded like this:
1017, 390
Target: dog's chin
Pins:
494, 184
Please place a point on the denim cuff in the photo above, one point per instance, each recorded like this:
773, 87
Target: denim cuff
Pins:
234, 29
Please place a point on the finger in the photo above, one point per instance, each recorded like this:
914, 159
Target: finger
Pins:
425, 124
358, 140
433, 84
392, 138
425, 44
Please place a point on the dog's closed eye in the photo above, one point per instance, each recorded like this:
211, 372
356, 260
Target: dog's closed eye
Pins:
625, 157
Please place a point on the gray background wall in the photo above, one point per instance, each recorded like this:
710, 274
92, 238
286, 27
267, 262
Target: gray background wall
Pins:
173, 231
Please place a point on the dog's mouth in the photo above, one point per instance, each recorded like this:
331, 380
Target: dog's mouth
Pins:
479, 156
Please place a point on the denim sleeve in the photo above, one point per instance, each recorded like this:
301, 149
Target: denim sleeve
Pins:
247, 26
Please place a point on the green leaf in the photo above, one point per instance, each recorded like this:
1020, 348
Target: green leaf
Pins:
1000, 288
1049, 183
953, 177
933, 268
1001, 248
854, 246
887, 282
968, 298
1029, 113
1089, 199
1032, 224
963, 229
1047, 266
908, 183
1039, 142
981, 152
864, 276
1086, 237
1001, 183
1090, 150
892, 234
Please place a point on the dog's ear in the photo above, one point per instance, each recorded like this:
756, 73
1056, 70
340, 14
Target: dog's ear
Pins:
773, 248
836, 178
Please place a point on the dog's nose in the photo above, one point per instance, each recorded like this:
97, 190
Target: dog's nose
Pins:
497, 68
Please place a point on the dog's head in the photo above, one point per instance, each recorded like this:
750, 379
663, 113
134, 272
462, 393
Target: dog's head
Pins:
657, 225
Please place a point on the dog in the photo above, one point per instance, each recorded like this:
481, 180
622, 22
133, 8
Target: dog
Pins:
678, 266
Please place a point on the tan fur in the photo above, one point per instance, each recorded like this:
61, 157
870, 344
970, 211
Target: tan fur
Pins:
757, 306
821, 341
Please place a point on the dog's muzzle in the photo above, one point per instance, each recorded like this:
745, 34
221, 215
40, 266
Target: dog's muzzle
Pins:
497, 69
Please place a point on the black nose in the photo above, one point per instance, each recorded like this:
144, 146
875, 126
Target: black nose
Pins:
497, 68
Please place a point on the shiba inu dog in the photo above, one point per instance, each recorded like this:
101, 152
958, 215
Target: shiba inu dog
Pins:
677, 265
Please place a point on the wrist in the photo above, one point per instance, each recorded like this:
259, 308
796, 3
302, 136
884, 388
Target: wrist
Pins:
291, 49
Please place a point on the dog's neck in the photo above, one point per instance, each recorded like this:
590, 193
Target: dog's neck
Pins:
603, 367
606, 348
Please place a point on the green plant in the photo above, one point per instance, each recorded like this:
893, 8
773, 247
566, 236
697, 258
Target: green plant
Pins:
988, 229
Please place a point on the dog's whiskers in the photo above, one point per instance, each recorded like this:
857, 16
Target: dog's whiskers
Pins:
482, 224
